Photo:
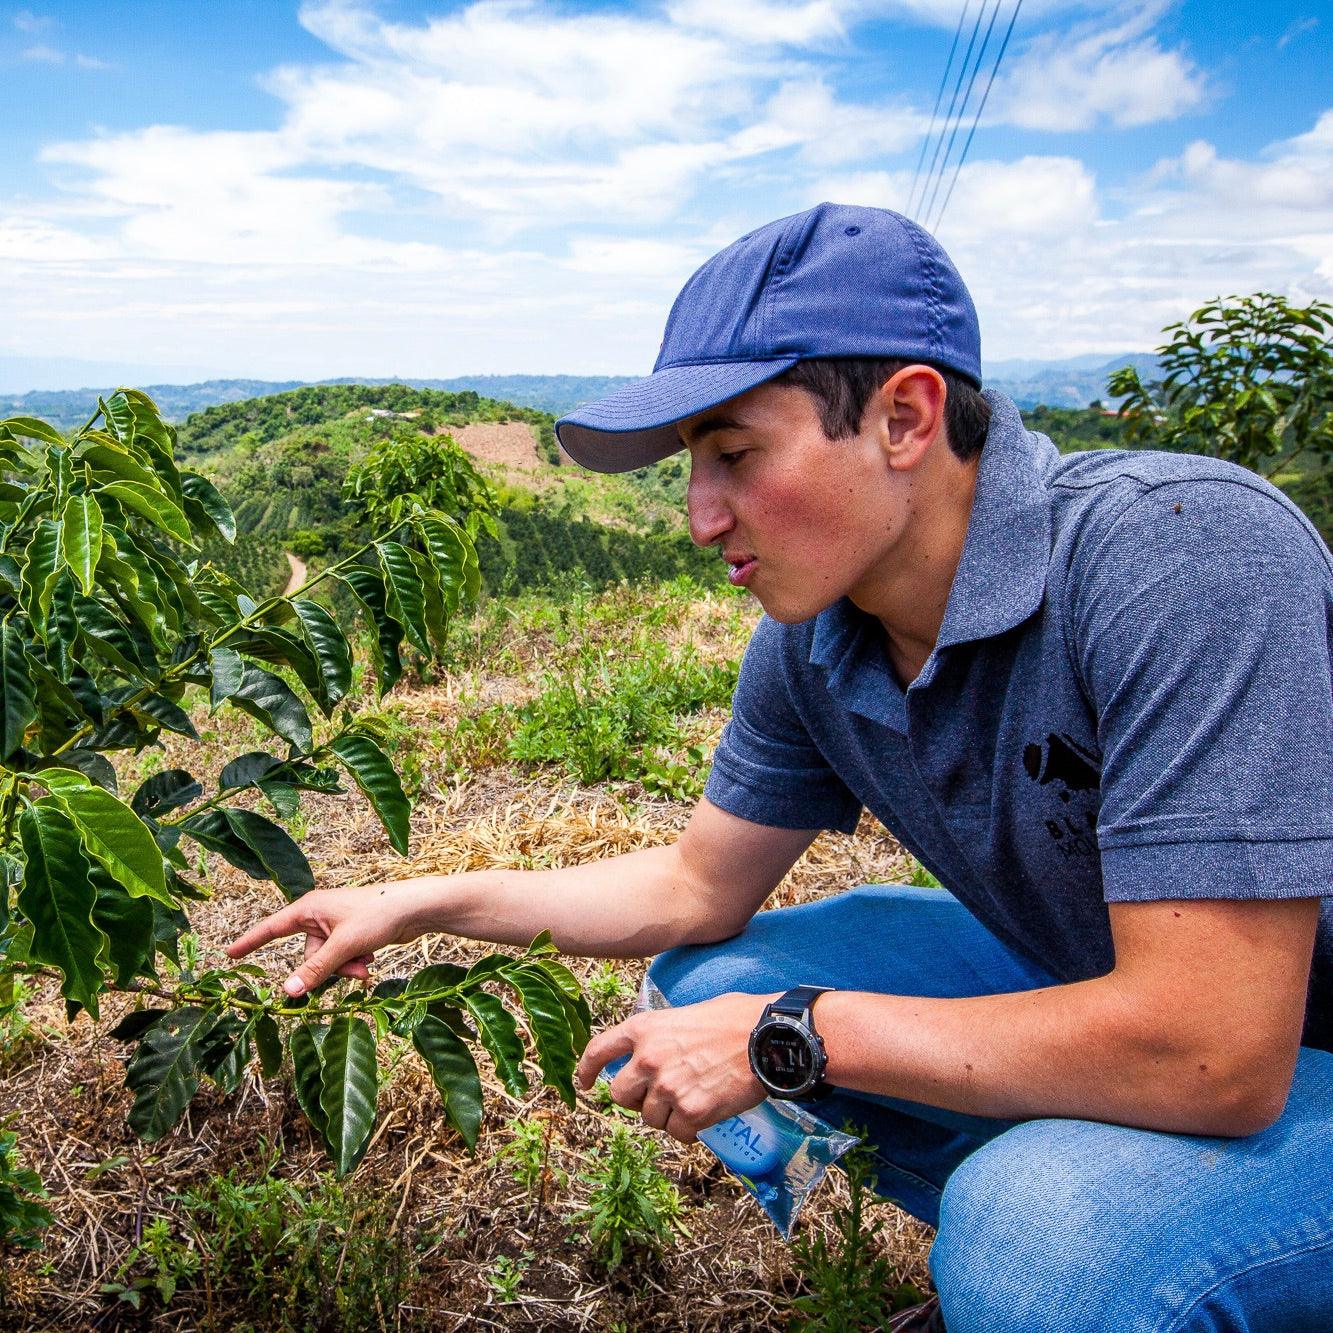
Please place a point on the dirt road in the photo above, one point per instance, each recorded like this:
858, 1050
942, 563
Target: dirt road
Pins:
298, 574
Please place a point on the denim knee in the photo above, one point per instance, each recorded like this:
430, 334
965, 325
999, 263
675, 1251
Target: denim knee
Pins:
1030, 1241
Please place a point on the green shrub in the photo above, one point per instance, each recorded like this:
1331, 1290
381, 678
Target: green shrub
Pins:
631, 1205
851, 1286
599, 716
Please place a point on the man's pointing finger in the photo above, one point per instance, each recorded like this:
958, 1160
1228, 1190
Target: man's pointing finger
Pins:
601, 1050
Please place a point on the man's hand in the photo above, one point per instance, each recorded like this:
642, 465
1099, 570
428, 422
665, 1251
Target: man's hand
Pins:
343, 928
689, 1067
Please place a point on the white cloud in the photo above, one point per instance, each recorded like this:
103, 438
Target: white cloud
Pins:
26, 21
1096, 75
43, 54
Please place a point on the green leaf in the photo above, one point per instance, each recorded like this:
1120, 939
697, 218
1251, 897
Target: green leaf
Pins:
551, 1028
349, 1087
368, 589
282, 859
453, 557
455, 1074
268, 1041
18, 701
331, 651
273, 702
105, 460
129, 928
436, 977
375, 775
163, 1073
306, 1042
228, 675
30, 428
498, 1031
254, 845
404, 597
114, 835
155, 506
57, 899
164, 792
204, 505
41, 563
81, 538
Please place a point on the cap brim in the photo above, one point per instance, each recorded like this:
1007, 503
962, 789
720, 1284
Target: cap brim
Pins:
636, 425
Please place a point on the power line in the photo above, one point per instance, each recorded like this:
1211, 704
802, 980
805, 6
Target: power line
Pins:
939, 97
962, 110
953, 100
976, 120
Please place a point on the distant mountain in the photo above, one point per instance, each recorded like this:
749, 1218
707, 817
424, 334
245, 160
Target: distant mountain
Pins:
1072, 383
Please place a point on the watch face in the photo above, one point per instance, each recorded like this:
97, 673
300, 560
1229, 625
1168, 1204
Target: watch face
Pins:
784, 1056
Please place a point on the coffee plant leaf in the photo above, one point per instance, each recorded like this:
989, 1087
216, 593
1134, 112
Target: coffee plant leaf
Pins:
270, 700
205, 507
306, 1042
405, 598
129, 928
331, 650
57, 899
548, 1020
454, 1072
114, 835
367, 587
498, 1031
17, 697
349, 1085
163, 1071
371, 770
164, 792
268, 1042
151, 504
81, 538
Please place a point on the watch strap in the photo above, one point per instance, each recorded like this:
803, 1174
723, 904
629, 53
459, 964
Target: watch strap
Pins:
797, 1002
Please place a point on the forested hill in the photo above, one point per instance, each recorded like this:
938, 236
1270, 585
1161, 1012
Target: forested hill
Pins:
273, 416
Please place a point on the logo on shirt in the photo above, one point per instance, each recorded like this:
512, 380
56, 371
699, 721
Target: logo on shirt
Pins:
1061, 763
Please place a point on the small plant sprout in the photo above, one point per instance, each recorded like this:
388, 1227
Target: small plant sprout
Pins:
607, 989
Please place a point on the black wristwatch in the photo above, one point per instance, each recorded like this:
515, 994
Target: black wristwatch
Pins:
786, 1053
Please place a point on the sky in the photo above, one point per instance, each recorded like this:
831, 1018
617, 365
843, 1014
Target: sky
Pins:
278, 189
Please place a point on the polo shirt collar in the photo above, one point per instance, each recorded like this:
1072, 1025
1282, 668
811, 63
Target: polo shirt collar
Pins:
1001, 576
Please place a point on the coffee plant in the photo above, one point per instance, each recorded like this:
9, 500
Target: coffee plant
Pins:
110, 626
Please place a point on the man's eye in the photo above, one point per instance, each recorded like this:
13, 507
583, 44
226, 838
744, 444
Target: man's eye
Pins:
731, 459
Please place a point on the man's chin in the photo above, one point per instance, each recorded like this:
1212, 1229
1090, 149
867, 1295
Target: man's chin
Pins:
789, 612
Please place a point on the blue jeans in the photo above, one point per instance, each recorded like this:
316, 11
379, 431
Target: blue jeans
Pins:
1054, 1226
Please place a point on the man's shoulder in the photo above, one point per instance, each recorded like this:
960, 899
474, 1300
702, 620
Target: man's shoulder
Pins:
1121, 505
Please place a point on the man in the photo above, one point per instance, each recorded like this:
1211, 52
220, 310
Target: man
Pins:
1091, 693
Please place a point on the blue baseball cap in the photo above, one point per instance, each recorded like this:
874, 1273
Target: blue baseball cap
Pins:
834, 281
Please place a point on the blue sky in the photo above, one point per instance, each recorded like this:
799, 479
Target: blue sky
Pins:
347, 187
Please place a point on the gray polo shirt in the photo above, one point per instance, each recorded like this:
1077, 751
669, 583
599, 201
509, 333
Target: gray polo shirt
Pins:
1130, 699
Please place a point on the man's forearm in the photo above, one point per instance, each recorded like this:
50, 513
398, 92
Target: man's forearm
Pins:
629, 906
1074, 1051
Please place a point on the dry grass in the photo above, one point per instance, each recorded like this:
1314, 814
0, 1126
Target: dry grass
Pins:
458, 1214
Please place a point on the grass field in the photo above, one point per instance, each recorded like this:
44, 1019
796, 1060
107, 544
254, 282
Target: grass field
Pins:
232, 1221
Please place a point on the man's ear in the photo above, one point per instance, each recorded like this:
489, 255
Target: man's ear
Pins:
911, 414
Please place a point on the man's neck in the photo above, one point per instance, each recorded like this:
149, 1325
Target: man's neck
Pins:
910, 594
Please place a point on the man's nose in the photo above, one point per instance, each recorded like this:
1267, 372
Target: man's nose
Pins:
710, 517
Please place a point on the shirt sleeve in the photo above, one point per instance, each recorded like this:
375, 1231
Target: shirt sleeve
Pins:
1202, 629
767, 769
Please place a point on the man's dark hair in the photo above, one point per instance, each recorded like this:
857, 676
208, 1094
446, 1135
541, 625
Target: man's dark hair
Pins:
842, 386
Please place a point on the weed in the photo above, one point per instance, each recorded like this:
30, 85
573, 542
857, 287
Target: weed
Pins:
677, 782
527, 1154
850, 1285
23, 1217
506, 1276
921, 878
597, 717
631, 1206
169, 1261
268, 1250
607, 990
